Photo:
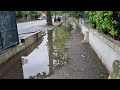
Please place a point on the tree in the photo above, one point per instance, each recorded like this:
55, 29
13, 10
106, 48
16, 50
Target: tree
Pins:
32, 14
49, 18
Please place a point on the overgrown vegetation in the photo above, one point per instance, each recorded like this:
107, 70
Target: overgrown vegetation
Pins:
49, 18
75, 14
103, 21
107, 22
32, 15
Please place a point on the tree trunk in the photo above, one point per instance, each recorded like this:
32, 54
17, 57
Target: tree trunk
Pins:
49, 18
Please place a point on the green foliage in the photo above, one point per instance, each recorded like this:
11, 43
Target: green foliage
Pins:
33, 14
58, 37
103, 21
49, 18
37, 13
57, 12
114, 33
75, 14
20, 14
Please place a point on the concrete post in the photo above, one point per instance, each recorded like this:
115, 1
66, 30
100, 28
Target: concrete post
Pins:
115, 73
86, 38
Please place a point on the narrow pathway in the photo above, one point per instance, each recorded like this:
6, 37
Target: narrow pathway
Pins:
83, 63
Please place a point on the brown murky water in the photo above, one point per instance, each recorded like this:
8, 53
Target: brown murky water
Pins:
39, 60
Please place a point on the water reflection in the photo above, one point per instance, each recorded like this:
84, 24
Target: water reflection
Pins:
50, 49
38, 60
12, 69
41, 59
54, 55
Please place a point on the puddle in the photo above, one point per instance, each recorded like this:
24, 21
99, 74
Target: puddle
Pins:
41, 59
49, 56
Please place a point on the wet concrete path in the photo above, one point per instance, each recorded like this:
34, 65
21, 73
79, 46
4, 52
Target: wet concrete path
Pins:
59, 54
83, 61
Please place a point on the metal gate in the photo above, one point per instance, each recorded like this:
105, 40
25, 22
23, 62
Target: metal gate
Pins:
8, 29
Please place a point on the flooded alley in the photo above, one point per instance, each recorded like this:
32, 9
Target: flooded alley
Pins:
59, 54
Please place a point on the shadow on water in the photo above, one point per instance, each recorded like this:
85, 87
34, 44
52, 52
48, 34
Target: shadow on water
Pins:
41, 59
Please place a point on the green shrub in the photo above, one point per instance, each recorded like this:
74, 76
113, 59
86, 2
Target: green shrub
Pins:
103, 21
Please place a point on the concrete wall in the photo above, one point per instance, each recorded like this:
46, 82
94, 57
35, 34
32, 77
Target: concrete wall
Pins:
106, 48
26, 41
10, 52
29, 39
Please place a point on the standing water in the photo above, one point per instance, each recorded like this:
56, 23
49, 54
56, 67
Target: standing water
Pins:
41, 59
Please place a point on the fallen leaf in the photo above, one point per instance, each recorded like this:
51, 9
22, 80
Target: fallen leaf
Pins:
82, 69
75, 69
82, 55
66, 74
37, 48
102, 75
97, 76
67, 78
92, 66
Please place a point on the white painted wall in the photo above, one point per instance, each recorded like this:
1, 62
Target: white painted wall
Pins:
83, 28
102, 47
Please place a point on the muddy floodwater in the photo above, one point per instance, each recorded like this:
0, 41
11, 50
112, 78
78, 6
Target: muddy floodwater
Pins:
41, 59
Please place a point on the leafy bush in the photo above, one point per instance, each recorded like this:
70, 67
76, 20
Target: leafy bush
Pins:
75, 14
33, 14
103, 21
